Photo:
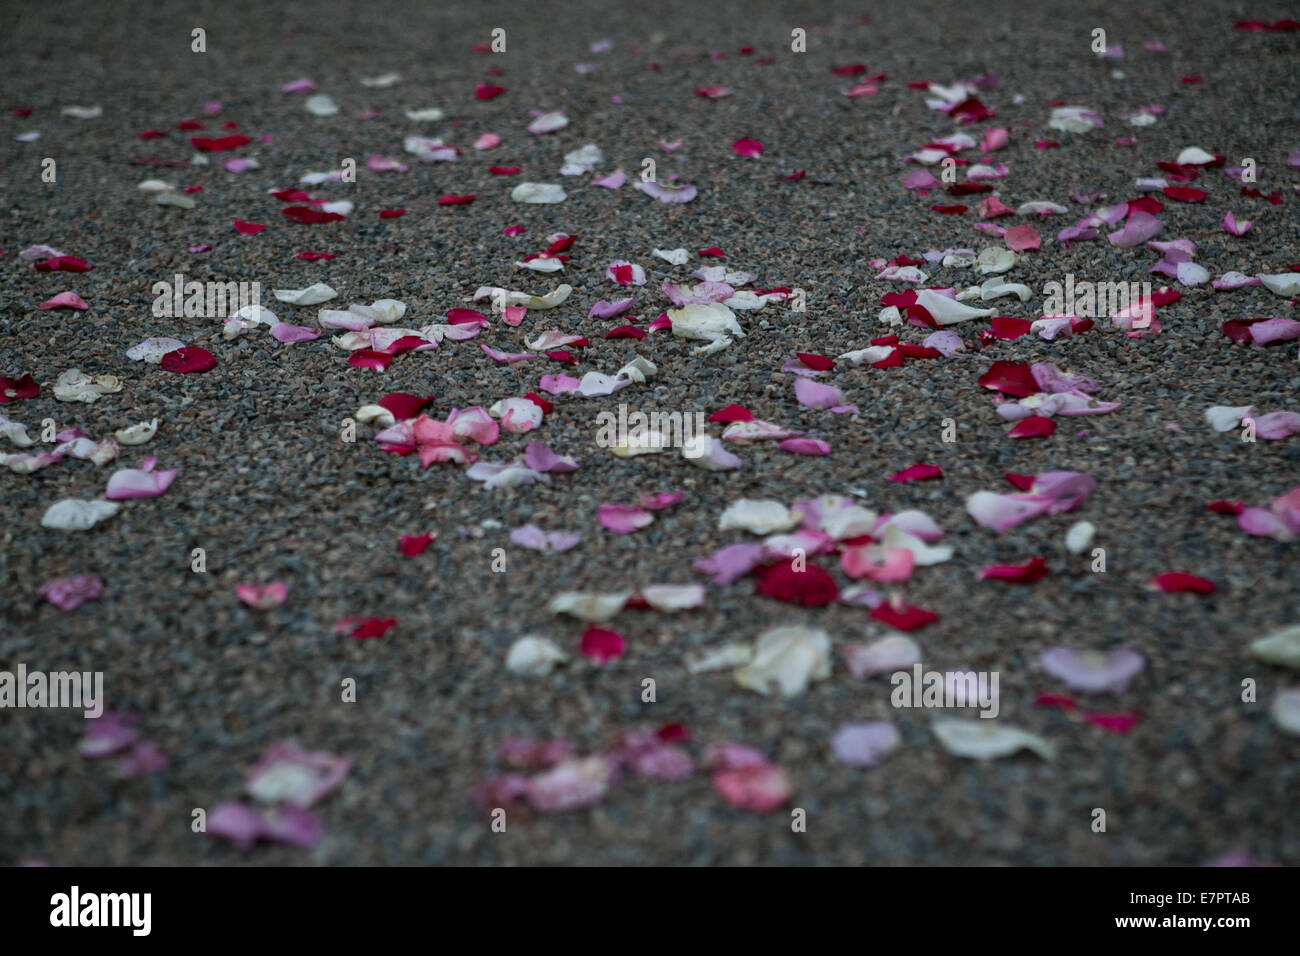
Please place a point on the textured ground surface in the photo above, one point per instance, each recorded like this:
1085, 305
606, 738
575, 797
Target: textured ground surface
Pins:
268, 490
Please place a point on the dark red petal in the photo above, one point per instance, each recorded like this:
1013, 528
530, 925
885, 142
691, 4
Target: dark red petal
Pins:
1177, 581
602, 645
12, 389
811, 587
220, 144
412, 545
543, 404
307, 216
902, 616
916, 473
372, 627
893, 360
188, 359
1010, 378
1006, 327
732, 413
626, 332
404, 405
1035, 426
814, 361
1029, 572
369, 358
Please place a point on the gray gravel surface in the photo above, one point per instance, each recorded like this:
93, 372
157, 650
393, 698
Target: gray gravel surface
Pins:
269, 491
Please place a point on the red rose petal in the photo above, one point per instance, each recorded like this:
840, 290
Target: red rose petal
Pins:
601, 645
1029, 572
811, 587
462, 316
1184, 193
307, 216
488, 91
452, 200
248, 228
902, 616
412, 545
372, 627
1035, 426
391, 213
220, 144
63, 264
1057, 701
814, 361
369, 358
1120, 723
732, 413
12, 389
1010, 378
1177, 581
626, 332
916, 473
893, 360
188, 359
1006, 327
404, 405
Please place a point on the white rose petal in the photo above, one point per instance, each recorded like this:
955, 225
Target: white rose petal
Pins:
1224, 418
1283, 283
677, 257
137, 434
74, 514
787, 659
759, 517
1194, 156
985, 739
994, 259
321, 105
534, 657
589, 607
1286, 710
1079, 536
673, 597
538, 193
76, 386
1281, 647
312, 295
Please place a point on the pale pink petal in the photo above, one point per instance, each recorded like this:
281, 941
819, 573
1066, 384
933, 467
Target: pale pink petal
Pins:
623, 519
138, 483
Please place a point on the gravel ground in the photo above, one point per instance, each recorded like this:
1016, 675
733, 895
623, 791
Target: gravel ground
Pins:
270, 492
